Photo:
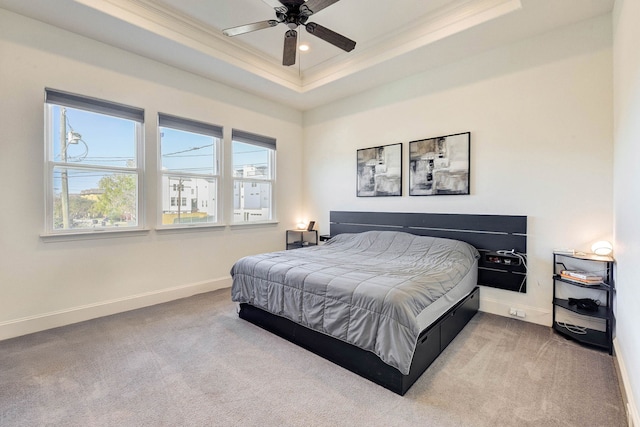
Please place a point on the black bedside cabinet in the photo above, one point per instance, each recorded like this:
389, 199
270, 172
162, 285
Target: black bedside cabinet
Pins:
301, 239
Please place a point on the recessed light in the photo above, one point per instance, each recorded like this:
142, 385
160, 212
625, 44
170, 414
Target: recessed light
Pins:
304, 47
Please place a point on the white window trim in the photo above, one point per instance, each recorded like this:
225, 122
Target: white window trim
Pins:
100, 233
254, 224
190, 125
103, 107
265, 142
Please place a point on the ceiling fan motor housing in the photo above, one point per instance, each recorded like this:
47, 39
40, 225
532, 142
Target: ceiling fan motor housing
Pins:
293, 18
294, 13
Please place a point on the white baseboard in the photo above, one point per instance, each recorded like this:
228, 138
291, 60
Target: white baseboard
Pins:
27, 325
532, 314
625, 388
632, 415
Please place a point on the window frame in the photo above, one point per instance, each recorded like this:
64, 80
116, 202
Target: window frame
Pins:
54, 97
197, 127
263, 142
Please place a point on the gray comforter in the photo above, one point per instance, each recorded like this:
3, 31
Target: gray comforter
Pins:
366, 289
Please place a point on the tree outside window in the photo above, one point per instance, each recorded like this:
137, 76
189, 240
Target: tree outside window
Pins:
93, 176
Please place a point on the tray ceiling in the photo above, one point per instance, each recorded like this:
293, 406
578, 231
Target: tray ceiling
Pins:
394, 39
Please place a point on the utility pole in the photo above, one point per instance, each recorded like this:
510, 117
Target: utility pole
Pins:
179, 197
64, 199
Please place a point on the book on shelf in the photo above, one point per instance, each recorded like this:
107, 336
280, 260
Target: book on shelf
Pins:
584, 275
581, 277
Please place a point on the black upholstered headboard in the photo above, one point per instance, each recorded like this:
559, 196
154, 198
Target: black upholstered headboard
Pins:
487, 233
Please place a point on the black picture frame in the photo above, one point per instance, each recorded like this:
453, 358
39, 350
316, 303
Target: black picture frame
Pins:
440, 165
379, 171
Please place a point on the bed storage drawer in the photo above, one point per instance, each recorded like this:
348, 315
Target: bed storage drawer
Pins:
357, 360
427, 350
454, 320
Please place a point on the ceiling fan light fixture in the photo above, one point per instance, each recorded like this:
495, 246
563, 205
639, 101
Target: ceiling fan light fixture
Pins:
294, 13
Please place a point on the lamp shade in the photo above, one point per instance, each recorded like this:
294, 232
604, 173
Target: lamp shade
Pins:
602, 248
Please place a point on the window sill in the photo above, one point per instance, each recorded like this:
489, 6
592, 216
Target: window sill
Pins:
187, 228
254, 224
91, 235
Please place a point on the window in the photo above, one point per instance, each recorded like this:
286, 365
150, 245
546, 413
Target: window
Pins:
190, 178
253, 177
94, 166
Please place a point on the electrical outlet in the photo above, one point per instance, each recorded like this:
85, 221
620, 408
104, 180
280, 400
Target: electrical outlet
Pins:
520, 313
513, 312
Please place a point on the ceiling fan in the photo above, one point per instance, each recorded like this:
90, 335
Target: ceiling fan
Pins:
294, 13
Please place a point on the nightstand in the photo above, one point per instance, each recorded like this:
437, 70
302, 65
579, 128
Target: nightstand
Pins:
570, 274
301, 238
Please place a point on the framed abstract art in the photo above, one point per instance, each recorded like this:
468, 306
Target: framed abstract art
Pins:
379, 171
440, 166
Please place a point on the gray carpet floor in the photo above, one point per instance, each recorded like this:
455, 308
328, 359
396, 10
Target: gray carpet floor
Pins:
193, 362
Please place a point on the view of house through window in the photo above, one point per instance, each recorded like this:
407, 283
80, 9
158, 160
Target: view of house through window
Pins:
93, 175
95, 169
189, 184
253, 173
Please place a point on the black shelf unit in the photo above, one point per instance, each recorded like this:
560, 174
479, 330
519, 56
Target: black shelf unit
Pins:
301, 238
603, 265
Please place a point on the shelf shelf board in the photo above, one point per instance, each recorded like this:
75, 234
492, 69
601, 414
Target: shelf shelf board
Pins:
588, 257
601, 287
590, 337
602, 313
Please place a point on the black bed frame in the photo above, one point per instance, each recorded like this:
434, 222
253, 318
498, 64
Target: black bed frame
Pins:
487, 233
433, 340
431, 343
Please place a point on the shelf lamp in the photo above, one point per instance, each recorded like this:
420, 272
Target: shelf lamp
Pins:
602, 248
302, 225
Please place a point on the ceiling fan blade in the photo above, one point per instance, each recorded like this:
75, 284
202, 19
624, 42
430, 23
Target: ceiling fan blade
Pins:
247, 28
276, 5
315, 6
331, 36
290, 45
291, 3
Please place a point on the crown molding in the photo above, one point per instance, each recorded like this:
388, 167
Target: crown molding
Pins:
176, 27
445, 22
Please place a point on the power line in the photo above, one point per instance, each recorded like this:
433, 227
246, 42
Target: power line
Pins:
191, 155
187, 150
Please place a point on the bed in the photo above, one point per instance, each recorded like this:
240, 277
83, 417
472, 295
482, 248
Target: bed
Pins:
380, 302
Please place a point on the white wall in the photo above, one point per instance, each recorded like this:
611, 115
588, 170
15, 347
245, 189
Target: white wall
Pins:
540, 116
45, 284
626, 66
539, 113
